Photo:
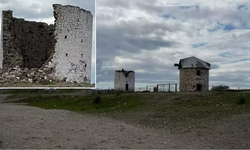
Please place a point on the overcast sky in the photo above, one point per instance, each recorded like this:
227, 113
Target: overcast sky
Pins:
42, 11
149, 36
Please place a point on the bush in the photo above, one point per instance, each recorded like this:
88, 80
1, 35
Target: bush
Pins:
220, 88
97, 100
242, 101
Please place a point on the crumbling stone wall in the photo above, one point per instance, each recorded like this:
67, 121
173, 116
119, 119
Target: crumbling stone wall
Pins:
72, 58
35, 51
10, 57
25, 44
123, 77
189, 79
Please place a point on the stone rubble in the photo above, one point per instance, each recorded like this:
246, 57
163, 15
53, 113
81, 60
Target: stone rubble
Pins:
18, 74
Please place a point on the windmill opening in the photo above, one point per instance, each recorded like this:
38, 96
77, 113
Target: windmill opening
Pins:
199, 87
127, 87
198, 72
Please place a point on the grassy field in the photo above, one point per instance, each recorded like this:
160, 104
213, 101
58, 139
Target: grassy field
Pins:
158, 110
109, 103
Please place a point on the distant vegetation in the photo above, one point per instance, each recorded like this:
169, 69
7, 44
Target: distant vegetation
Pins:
220, 88
97, 100
242, 101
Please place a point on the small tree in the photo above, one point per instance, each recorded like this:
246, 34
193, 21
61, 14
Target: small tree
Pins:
97, 100
242, 101
219, 88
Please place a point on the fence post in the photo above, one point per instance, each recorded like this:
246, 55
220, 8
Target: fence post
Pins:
175, 87
168, 87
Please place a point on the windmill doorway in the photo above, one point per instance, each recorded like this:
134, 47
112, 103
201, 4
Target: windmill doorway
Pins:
127, 87
199, 87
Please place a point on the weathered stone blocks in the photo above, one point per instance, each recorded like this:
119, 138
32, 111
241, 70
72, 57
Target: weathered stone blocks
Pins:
194, 74
72, 58
189, 80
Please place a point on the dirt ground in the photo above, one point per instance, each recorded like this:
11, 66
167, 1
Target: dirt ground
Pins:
35, 128
31, 127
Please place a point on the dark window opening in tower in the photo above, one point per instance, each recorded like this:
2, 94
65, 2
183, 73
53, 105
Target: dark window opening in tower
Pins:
198, 73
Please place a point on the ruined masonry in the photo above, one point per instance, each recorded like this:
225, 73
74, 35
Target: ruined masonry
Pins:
194, 74
124, 80
36, 51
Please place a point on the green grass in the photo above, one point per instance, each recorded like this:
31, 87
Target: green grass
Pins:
207, 105
110, 103
191, 110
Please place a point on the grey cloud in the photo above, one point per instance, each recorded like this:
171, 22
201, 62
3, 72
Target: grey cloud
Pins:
214, 66
154, 71
130, 37
211, 13
113, 4
150, 7
107, 75
236, 79
149, 44
30, 11
3, 2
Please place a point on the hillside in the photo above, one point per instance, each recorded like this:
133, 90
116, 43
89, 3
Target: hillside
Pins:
218, 119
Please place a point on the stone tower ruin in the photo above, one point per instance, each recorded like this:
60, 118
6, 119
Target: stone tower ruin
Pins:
194, 74
124, 80
36, 51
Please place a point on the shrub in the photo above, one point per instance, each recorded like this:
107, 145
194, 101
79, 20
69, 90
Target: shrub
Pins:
220, 88
97, 100
242, 101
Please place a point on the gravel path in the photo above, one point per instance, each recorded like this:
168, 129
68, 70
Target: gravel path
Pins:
31, 127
